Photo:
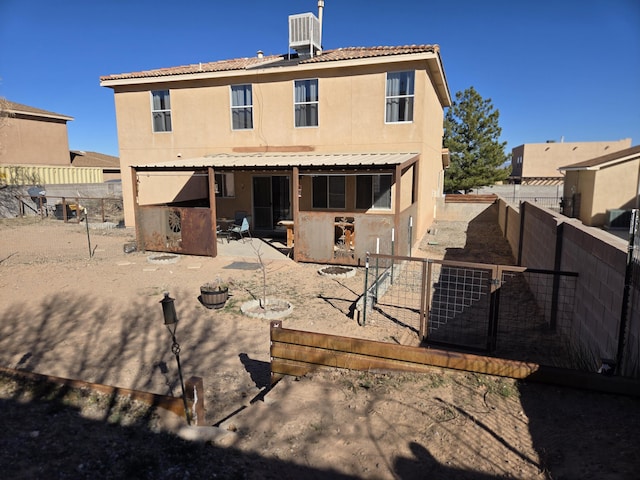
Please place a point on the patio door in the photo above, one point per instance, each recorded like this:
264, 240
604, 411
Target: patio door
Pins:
271, 201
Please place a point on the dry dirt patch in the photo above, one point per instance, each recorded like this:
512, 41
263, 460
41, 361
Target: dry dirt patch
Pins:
98, 319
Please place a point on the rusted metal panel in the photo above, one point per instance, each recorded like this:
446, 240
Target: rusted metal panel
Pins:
314, 237
177, 230
341, 238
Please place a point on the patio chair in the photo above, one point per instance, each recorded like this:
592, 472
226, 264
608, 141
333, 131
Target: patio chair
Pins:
240, 230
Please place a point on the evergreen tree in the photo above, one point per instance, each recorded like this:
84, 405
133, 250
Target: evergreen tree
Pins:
471, 133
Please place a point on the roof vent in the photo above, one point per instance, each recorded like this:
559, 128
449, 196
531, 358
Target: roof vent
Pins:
304, 34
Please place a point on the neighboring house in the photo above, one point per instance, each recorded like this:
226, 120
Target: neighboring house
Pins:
109, 164
538, 163
338, 146
34, 148
601, 191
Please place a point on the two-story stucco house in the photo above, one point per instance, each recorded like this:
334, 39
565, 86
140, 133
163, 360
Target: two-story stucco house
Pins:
343, 147
539, 163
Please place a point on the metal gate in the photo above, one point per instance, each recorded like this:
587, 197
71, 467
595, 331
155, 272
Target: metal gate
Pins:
507, 311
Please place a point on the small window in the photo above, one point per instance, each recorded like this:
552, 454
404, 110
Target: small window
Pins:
399, 97
373, 191
161, 110
241, 107
329, 191
224, 185
306, 103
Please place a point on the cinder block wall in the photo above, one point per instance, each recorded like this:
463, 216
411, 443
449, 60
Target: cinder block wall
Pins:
459, 212
539, 236
600, 260
509, 221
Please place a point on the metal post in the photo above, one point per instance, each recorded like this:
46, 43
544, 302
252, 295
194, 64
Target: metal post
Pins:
171, 320
410, 233
626, 295
175, 349
86, 220
393, 234
366, 290
375, 296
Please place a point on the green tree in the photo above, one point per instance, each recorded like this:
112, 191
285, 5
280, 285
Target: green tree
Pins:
471, 134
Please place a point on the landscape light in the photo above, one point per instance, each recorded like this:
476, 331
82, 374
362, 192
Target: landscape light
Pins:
171, 319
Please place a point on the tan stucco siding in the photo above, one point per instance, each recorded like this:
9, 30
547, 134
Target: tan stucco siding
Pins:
430, 171
542, 160
351, 119
30, 141
615, 187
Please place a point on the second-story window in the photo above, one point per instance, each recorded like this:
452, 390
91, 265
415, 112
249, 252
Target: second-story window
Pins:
241, 107
306, 103
161, 110
399, 97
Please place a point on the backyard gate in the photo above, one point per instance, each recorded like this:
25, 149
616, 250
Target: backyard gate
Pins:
508, 311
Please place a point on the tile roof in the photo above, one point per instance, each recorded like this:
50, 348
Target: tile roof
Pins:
14, 107
80, 158
273, 61
603, 161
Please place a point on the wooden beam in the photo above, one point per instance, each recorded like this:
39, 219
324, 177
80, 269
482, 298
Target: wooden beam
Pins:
296, 352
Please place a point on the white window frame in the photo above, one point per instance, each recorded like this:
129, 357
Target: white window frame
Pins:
163, 111
225, 186
410, 97
315, 102
241, 107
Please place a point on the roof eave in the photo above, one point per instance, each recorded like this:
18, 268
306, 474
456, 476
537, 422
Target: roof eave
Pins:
433, 60
55, 116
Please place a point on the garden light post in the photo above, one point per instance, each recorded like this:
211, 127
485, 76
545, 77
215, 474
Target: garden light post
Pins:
171, 321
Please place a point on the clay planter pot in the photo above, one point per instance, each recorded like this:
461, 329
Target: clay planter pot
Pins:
214, 297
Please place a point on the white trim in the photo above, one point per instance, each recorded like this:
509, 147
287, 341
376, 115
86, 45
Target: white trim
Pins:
153, 110
231, 106
412, 96
317, 102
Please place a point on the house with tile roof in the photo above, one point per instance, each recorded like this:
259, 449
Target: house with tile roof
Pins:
602, 191
34, 149
109, 164
340, 147
32, 136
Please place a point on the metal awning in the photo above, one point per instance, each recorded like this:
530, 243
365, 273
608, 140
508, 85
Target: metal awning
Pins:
280, 160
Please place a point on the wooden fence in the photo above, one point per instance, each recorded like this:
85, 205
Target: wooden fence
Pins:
296, 353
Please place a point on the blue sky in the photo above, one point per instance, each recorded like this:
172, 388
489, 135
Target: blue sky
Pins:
555, 69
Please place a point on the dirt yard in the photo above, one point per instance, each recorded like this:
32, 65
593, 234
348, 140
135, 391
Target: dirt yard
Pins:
98, 319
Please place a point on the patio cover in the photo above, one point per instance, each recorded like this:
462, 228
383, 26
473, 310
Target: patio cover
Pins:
280, 160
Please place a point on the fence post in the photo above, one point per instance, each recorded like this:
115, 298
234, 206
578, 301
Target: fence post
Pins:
393, 234
521, 239
553, 320
410, 233
626, 295
375, 296
366, 290
425, 298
